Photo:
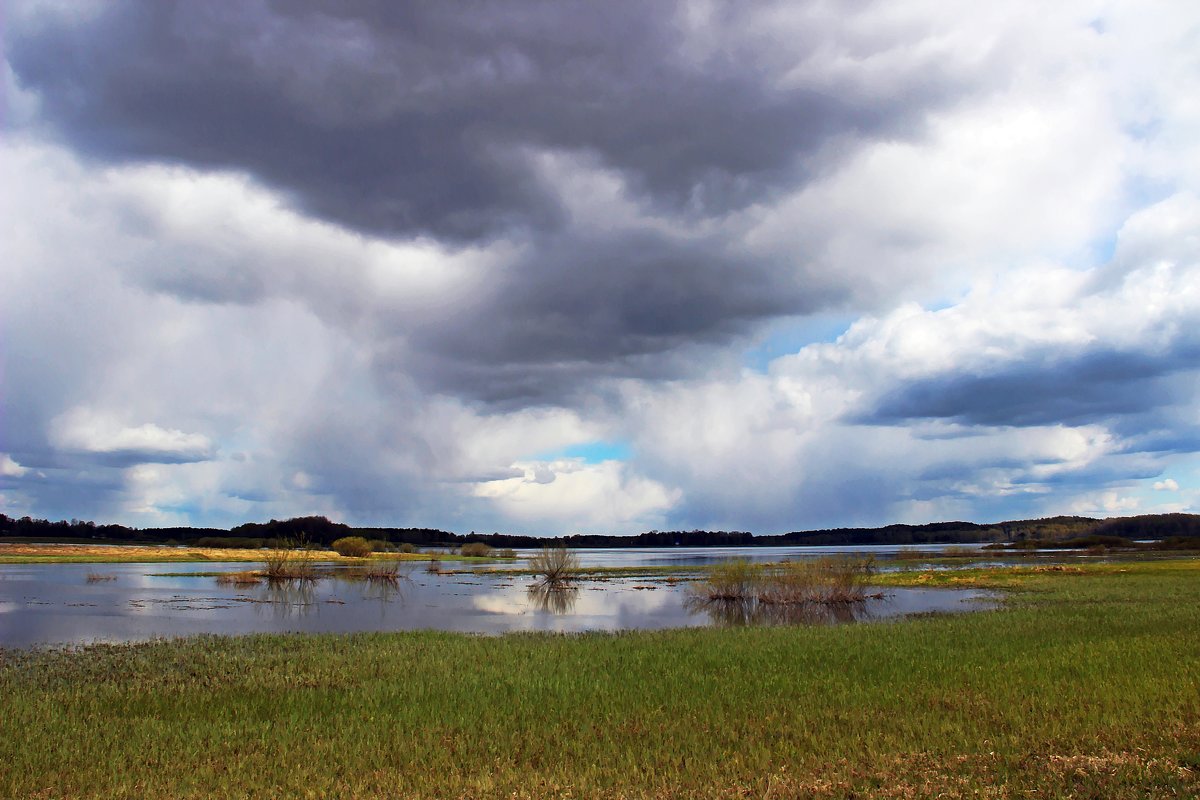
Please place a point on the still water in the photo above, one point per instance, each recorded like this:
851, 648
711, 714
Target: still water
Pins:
57, 604
699, 556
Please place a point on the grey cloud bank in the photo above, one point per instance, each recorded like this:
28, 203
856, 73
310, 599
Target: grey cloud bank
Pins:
406, 119
396, 263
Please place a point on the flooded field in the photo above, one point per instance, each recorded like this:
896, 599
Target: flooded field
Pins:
65, 604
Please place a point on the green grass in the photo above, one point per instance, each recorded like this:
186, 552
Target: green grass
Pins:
1084, 684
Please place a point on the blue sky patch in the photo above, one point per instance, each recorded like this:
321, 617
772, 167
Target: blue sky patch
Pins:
591, 452
790, 337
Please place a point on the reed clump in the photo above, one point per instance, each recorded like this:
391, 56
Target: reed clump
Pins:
287, 564
912, 554
100, 577
737, 579
823, 580
378, 572
476, 550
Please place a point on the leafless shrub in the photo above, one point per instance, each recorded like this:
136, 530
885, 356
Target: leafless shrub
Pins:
555, 565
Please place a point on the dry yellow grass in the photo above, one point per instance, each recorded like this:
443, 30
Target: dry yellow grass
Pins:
87, 553
129, 552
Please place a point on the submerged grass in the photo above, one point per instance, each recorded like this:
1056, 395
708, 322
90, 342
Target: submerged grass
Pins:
374, 572
1085, 684
248, 577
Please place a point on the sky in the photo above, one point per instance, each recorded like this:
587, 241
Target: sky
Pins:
560, 267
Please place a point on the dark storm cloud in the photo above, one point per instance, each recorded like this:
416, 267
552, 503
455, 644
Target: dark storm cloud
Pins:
1088, 388
628, 305
405, 120
400, 118
88, 494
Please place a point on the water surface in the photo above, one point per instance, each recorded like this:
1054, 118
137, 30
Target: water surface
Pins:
701, 556
55, 604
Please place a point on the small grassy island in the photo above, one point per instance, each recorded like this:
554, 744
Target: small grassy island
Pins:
1085, 682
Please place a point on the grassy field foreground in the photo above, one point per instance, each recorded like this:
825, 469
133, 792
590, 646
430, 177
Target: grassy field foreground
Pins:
1086, 685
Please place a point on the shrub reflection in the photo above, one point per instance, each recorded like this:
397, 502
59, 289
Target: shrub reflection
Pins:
751, 611
554, 597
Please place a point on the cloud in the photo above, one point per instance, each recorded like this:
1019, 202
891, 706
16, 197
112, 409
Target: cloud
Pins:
378, 263
419, 120
10, 468
1168, 485
550, 196
581, 498
1044, 386
82, 430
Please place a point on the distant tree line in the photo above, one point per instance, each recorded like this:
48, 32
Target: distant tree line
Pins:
320, 531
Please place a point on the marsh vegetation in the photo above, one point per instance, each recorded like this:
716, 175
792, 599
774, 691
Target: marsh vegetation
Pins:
287, 563
373, 572
240, 578
810, 581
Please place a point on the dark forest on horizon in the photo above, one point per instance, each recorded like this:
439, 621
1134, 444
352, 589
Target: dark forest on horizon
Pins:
317, 530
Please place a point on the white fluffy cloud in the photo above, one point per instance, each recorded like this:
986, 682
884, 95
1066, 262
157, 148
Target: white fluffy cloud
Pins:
82, 430
10, 468
1039, 384
566, 493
